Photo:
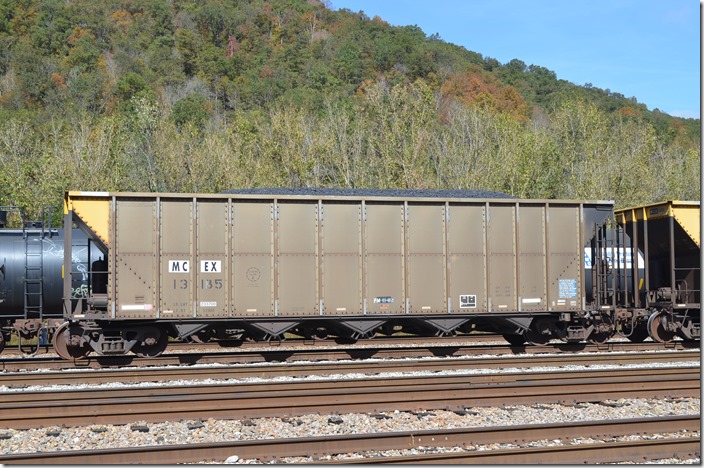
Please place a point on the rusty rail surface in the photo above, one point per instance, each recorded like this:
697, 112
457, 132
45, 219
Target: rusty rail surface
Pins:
318, 447
609, 452
302, 352
60, 396
138, 375
292, 398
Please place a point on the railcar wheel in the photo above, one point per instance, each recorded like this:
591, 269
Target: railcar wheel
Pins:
539, 333
515, 339
658, 327
154, 343
67, 342
536, 338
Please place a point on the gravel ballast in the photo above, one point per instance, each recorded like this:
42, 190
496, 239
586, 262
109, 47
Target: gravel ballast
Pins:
141, 433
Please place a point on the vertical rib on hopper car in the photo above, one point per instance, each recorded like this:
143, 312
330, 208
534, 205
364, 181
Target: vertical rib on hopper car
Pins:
260, 266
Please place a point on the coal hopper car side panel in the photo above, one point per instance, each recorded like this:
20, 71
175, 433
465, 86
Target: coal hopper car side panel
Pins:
342, 261
467, 258
427, 273
183, 256
136, 254
174, 257
252, 257
297, 269
501, 268
213, 254
565, 262
532, 273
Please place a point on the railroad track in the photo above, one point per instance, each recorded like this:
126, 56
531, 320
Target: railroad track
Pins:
635, 451
140, 375
303, 352
23, 410
323, 448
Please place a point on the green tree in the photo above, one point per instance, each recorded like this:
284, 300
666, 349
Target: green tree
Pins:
193, 109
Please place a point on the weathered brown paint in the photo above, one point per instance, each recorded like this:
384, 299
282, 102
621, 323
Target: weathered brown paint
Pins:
305, 256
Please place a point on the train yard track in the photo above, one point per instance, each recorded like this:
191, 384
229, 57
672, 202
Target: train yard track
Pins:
469, 440
473, 379
635, 451
298, 369
304, 351
495, 385
23, 410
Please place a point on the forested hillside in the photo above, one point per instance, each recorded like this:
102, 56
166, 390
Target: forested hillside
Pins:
205, 96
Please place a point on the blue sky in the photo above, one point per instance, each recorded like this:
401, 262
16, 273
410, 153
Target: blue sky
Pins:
647, 49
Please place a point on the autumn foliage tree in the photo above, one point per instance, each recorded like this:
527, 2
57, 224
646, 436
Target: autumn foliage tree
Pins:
477, 88
204, 96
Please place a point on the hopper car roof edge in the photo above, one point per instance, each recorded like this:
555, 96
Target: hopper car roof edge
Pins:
664, 202
259, 196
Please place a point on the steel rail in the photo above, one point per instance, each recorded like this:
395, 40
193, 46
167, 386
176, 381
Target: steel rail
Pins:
325, 353
293, 398
275, 449
609, 452
139, 375
195, 389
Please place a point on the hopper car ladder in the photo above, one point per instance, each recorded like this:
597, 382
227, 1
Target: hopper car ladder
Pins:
611, 278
